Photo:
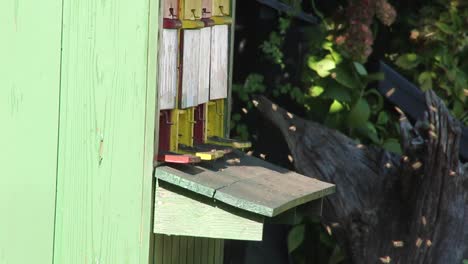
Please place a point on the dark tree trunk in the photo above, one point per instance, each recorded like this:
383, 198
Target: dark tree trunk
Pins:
388, 208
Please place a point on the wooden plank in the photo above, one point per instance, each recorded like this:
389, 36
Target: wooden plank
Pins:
220, 251
29, 106
104, 181
211, 251
247, 183
168, 69
190, 67
269, 193
158, 249
183, 213
205, 250
219, 62
191, 9
221, 7
167, 251
190, 250
170, 9
151, 135
197, 256
205, 57
228, 102
183, 241
175, 251
193, 178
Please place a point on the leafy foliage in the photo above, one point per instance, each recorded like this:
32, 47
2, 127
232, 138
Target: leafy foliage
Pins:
437, 57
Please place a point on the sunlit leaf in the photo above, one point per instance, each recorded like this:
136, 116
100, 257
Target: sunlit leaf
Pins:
315, 91
336, 107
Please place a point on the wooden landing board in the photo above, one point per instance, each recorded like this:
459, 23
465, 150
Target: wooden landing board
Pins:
247, 183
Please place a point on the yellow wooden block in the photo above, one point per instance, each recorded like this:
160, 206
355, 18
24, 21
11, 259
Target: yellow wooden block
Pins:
221, 7
210, 155
182, 128
215, 119
238, 144
192, 24
222, 20
190, 9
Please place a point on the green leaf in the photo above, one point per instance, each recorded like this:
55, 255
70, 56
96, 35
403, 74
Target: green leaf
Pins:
345, 77
445, 28
323, 67
379, 76
315, 91
360, 68
369, 131
465, 261
393, 145
359, 114
382, 119
408, 61
295, 237
337, 92
425, 80
335, 107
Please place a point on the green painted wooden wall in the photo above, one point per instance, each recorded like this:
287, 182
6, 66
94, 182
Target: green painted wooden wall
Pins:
107, 115
77, 106
29, 102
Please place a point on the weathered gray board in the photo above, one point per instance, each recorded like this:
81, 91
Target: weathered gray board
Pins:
247, 183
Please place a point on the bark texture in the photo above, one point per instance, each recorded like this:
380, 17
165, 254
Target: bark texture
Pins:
388, 208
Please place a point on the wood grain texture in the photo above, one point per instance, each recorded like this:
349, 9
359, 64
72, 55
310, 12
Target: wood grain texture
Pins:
190, 250
183, 214
106, 131
29, 106
168, 6
191, 9
168, 69
385, 194
221, 7
219, 62
151, 134
204, 68
247, 183
190, 67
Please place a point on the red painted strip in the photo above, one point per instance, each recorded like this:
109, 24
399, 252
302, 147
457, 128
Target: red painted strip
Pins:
164, 131
199, 127
180, 159
172, 23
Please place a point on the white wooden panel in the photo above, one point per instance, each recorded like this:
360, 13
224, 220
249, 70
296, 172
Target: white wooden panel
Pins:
205, 53
219, 62
191, 66
168, 56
